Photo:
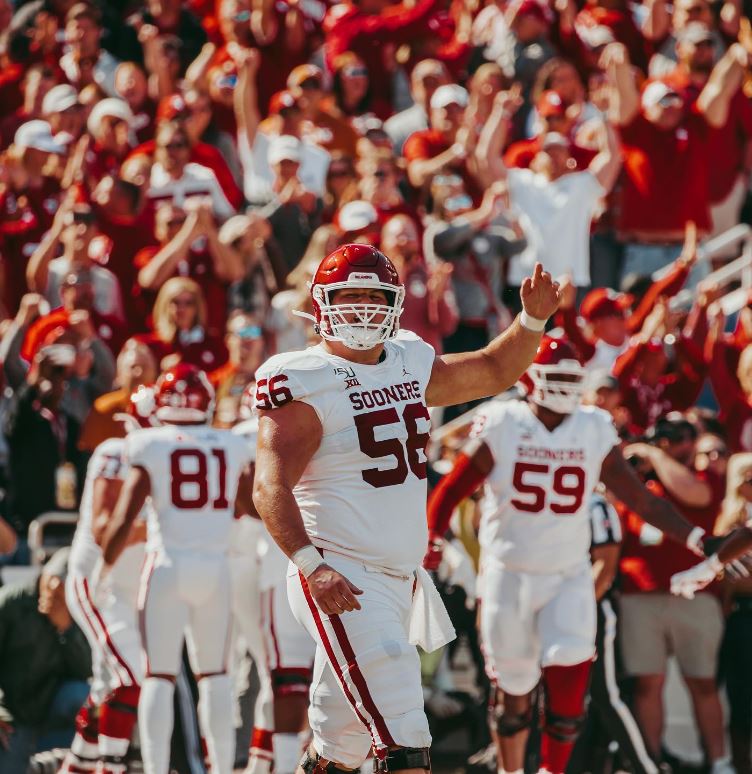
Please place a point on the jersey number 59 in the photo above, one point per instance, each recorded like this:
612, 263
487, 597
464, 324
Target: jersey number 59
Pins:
534, 480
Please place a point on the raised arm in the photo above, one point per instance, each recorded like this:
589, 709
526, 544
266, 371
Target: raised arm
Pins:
625, 97
288, 437
606, 166
471, 375
724, 82
245, 98
493, 137
162, 266
228, 265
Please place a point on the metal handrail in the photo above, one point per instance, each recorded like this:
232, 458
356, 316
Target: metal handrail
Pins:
40, 553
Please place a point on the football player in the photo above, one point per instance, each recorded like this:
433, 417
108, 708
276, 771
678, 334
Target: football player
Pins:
540, 461
106, 612
340, 483
281, 648
190, 472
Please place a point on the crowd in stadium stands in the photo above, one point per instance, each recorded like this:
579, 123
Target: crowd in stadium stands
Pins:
172, 172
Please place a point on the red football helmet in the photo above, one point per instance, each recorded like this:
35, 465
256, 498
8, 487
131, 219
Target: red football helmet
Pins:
555, 380
183, 393
358, 326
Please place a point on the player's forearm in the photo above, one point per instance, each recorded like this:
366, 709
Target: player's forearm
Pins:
737, 543
662, 515
279, 511
497, 367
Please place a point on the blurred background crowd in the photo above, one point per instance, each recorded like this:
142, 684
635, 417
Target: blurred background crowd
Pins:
171, 173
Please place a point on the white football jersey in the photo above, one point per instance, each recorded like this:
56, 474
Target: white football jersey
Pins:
363, 494
194, 472
534, 512
106, 462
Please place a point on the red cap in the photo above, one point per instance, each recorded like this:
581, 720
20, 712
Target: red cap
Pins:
550, 103
535, 9
171, 107
602, 302
281, 100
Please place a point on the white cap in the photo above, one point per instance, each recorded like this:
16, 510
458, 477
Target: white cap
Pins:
448, 94
111, 106
654, 92
59, 98
284, 148
38, 135
357, 215
597, 36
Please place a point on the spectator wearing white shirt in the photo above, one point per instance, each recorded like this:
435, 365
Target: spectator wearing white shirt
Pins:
175, 179
556, 205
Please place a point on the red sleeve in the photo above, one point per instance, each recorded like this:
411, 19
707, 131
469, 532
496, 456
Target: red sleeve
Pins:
144, 256
626, 363
416, 147
400, 23
725, 385
585, 348
519, 154
461, 481
204, 153
669, 285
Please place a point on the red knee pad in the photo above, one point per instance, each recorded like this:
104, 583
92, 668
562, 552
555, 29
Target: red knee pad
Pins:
118, 713
291, 681
262, 739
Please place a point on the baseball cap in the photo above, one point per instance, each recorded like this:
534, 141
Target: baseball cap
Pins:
550, 104
356, 216
171, 107
695, 32
112, 107
284, 148
449, 94
602, 302
37, 134
535, 9
281, 100
673, 427
554, 139
654, 92
596, 36
59, 98
303, 73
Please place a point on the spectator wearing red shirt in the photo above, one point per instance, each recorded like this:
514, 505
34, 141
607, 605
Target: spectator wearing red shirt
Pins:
651, 385
728, 144
608, 320
429, 308
654, 623
37, 82
666, 162
189, 246
733, 391
28, 203
179, 327
554, 116
448, 144
374, 30
174, 109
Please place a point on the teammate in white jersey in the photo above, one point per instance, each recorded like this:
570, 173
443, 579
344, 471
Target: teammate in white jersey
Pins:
107, 614
341, 484
540, 461
281, 648
190, 473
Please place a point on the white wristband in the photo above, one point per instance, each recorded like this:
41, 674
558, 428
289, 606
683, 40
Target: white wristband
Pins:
694, 541
532, 323
307, 559
715, 564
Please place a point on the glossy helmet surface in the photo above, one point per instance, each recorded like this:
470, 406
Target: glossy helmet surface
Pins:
555, 380
183, 393
358, 326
